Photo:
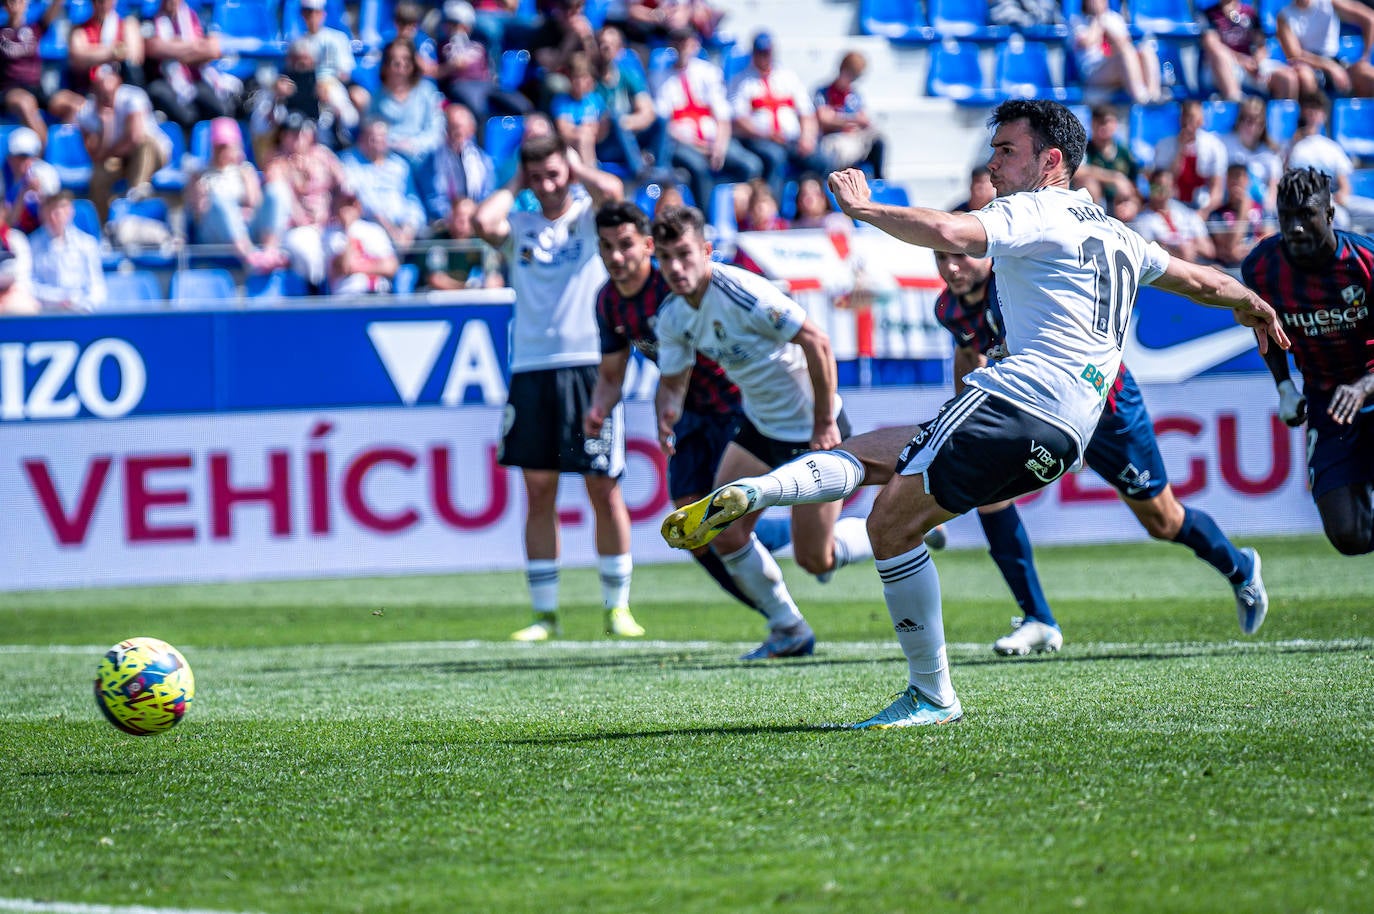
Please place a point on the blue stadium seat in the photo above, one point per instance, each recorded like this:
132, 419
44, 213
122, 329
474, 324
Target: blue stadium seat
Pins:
1362, 182
1084, 113
514, 64
888, 193
171, 178
661, 60
646, 197
722, 213
895, 20
1164, 17
629, 61
1269, 14
407, 278
203, 288
67, 153
293, 23
1219, 116
964, 19
1281, 117
1352, 125
1149, 125
735, 62
1175, 74
957, 73
368, 72
85, 217
502, 136
1351, 49
376, 25
248, 28
1022, 70
277, 284
132, 291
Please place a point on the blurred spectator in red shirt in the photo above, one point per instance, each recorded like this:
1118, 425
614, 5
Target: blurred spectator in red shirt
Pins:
21, 70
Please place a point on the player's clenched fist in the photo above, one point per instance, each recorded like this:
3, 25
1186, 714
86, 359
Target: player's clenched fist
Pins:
850, 188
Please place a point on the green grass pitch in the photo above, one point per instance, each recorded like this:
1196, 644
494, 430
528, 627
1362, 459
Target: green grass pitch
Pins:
377, 746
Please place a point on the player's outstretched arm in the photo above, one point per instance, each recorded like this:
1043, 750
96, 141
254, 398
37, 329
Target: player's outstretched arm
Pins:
957, 233
1215, 289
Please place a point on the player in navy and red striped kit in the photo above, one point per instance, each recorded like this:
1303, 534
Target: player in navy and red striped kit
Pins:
1320, 280
626, 309
1123, 451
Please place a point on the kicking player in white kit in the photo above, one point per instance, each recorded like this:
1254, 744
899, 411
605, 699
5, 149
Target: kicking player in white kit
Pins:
1067, 279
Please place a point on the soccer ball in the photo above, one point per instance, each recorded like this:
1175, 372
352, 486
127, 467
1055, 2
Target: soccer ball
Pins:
144, 686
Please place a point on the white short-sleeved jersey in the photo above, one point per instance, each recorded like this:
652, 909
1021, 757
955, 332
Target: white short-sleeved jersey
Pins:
746, 326
555, 271
1067, 275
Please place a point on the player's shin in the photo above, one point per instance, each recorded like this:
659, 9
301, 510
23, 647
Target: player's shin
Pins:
911, 587
816, 477
760, 579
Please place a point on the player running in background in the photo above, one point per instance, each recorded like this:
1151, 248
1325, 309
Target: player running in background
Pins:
1067, 279
1122, 450
555, 273
626, 311
1321, 280
782, 363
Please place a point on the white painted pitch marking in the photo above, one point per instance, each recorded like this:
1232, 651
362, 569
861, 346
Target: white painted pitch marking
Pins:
27, 906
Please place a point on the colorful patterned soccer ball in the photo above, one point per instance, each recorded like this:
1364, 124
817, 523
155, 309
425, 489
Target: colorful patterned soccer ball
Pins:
144, 686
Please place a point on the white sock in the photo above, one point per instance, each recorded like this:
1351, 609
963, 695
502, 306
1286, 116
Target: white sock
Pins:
911, 587
851, 542
760, 579
615, 579
813, 478
542, 575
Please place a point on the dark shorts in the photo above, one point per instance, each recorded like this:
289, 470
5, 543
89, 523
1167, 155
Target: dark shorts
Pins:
1337, 455
981, 449
773, 451
542, 425
701, 440
1123, 450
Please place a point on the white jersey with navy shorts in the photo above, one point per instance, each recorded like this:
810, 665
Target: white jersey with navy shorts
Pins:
555, 271
1067, 275
745, 324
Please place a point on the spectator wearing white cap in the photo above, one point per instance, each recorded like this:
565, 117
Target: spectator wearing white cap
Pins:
28, 179
67, 275
122, 138
182, 83
775, 118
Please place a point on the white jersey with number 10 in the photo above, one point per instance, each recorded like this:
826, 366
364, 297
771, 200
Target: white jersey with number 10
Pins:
1067, 275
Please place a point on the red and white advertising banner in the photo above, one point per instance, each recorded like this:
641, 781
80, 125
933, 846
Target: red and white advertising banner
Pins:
404, 490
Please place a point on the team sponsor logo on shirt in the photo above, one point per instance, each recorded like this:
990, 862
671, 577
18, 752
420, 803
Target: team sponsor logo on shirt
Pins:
1324, 321
1094, 376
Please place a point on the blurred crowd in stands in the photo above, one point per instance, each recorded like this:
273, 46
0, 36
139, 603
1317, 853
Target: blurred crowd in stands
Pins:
309, 146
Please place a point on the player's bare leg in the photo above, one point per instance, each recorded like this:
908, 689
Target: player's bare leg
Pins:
541, 554
902, 515
1347, 517
613, 554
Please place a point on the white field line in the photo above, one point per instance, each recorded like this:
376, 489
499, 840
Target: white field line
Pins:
848, 648
67, 907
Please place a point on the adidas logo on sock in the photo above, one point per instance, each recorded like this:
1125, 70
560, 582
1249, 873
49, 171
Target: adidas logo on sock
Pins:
906, 625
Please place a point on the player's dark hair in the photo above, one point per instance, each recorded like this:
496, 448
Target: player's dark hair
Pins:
1298, 185
615, 213
1052, 126
673, 222
539, 148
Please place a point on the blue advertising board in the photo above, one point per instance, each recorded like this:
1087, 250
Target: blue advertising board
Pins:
128, 365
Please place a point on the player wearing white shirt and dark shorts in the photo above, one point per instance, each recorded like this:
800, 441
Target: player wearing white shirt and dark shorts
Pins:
1067, 278
555, 272
782, 364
